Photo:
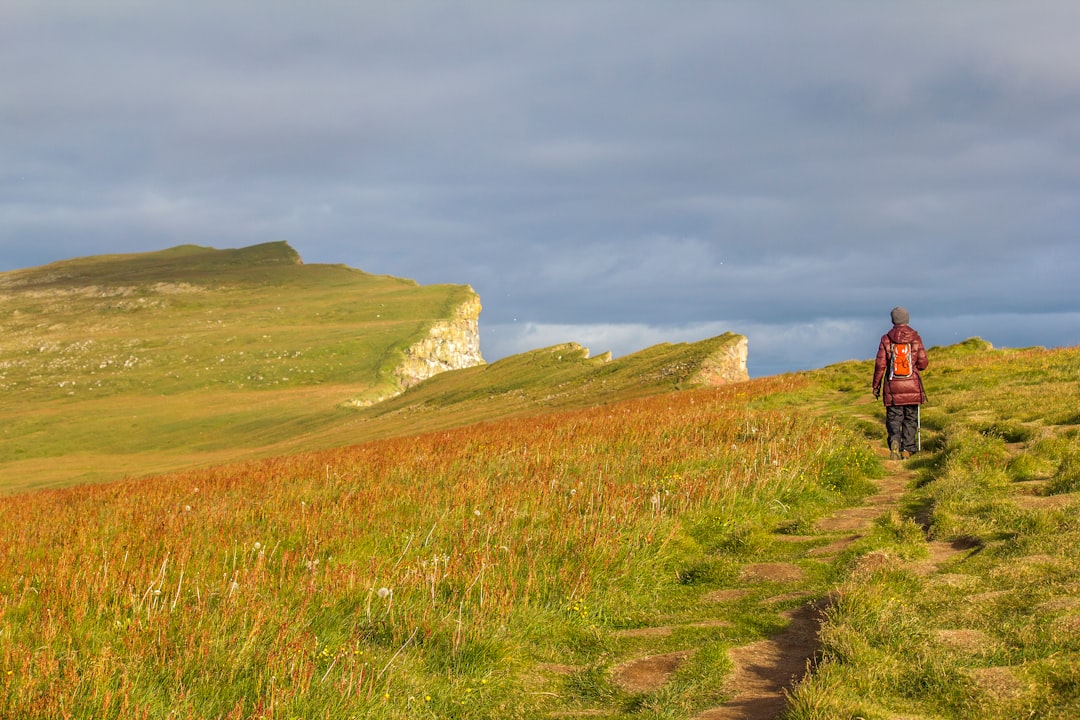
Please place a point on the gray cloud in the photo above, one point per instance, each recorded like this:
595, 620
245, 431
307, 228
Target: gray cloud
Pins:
625, 172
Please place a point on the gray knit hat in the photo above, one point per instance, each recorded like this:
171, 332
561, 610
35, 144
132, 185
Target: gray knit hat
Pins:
900, 316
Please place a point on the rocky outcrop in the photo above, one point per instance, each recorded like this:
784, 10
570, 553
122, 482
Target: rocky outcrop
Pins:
450, 344
726, 364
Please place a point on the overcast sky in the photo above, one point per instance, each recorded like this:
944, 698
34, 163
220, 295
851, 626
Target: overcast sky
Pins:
614, 173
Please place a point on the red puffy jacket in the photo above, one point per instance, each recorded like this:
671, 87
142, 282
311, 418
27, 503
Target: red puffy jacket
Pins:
900, 391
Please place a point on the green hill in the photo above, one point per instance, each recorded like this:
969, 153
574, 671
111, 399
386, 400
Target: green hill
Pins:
677, 554
131, 364
546, 536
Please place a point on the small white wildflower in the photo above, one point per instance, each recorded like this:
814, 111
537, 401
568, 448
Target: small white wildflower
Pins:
187, 508
476, 513
258, 545
384, 592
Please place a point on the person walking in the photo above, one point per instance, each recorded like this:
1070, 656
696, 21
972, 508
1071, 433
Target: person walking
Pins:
901, 356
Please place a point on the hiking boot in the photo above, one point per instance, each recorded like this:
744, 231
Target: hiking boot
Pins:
894, 450
905, 455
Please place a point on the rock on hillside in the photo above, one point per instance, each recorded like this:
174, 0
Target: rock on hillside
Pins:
561, 376
450, 344
725, 365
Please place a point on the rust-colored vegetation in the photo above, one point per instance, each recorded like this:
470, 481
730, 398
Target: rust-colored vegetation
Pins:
418, 573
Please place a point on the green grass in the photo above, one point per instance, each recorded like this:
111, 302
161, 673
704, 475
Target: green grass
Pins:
505, 549
991, 634
523, 558
115, 364
133, 364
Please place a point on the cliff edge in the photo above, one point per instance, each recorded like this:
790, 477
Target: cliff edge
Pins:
450, 344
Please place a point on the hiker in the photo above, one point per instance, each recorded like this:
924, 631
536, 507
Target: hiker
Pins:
900, 358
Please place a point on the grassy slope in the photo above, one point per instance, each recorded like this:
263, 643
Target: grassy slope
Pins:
516, 554
132, 364
503, 547
516, 551
991, 634
127, 364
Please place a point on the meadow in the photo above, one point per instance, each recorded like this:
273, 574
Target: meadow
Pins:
130, 364
991, 634
505, 569
505, 538
427, 576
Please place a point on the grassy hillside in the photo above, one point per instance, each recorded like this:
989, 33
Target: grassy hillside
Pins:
509, 569
506, 541
989, 630
561, 377
437, 575
132, 363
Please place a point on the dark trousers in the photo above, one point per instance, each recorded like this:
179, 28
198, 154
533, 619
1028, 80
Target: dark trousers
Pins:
902, 424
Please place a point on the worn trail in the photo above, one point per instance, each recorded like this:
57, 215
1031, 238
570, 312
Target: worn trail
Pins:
766, 670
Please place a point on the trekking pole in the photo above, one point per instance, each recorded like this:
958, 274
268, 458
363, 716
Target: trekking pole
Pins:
918, 425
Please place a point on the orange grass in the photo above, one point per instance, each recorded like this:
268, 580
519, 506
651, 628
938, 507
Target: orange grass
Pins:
397, 578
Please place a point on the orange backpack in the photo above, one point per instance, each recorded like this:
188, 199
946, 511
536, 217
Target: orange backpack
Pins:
900, 362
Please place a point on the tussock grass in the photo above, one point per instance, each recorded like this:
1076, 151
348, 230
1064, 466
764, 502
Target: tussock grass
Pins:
983, 636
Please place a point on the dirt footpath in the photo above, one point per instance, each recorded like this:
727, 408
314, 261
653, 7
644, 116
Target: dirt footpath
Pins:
764, 671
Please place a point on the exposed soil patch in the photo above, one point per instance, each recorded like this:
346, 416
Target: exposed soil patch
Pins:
834, 548
999, 682
1068, 625
989, 597
968, 641
942, 552
773, 572
765, 669
1068, 602
849, 520
649, 673
1044, 502
647, 632
890, 490
721, 596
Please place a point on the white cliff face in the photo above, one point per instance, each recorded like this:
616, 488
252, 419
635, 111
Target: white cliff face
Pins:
726, 365
450, 345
